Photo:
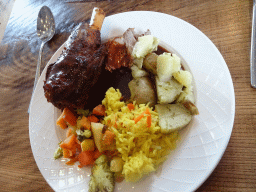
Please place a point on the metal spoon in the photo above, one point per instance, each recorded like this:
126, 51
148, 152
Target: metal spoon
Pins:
45, 31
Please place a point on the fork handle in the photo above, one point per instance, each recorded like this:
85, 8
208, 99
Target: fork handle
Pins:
253, 48
38, 68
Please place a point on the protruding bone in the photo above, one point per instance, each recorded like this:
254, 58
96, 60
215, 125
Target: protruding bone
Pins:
98, 16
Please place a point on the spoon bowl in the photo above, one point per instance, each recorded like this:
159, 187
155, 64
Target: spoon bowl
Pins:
45, 31
45, 24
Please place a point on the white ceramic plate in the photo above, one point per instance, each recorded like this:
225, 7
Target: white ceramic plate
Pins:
203, 142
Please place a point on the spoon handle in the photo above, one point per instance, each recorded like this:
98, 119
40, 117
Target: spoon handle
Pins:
38, 65
37, 71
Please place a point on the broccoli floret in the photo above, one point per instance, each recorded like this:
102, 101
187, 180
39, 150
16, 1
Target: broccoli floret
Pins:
102, 179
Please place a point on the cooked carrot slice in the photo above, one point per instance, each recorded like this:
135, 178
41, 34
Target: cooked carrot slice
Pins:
99, 110
93, 118
69, 132
130, 106
147, 111
66, 153
78, 147
108, 137
137, 119
69, 142
73, 151
61, 122
149, 120
85, 123
69, 117
72, 161
97, 153
86, 158
69, 153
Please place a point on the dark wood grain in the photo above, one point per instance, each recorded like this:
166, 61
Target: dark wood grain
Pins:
226, 23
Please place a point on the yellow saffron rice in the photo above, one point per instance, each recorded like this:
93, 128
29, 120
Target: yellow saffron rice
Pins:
142, 148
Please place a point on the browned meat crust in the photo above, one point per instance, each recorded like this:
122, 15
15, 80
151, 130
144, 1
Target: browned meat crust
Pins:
117, 55
70, 78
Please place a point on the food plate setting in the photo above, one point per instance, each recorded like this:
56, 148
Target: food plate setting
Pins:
202, 143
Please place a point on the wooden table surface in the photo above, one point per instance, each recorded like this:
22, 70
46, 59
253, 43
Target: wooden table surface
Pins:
228, 25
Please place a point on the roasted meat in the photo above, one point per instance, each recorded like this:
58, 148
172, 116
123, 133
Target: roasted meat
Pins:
70, 79
117, 54
119, 50
130, 39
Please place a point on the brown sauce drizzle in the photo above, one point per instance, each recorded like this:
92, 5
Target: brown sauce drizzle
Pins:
161, 50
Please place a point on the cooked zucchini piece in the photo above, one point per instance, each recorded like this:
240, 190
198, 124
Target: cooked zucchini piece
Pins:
102, 179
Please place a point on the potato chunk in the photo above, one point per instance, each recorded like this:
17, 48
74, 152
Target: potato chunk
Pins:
150, 63
186, 95
97, 134
188, 100
167, 65
183, 77
145, 45
138, 73
172, 117
142, 91
168, 91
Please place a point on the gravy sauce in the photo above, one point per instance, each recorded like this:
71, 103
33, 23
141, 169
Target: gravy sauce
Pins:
118, 79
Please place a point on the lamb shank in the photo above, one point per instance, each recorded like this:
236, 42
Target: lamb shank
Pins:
70, 79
